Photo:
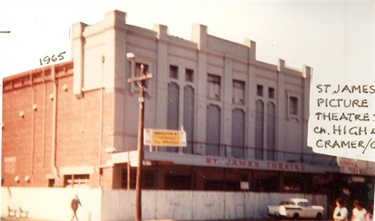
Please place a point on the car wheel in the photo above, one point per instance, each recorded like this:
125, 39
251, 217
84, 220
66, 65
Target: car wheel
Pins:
295, 216
319, 216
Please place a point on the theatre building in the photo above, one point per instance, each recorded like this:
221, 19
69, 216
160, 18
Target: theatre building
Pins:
75, 124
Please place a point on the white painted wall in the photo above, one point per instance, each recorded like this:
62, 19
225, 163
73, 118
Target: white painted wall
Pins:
54, 204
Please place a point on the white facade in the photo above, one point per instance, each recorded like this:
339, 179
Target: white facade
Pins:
99, 53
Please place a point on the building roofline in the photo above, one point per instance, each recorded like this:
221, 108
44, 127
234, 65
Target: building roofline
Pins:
66, 64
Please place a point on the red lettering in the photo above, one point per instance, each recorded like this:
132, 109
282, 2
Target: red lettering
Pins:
242, 163
249, 164
287, 167
208, 160
257, 164
274, 165
271, 165
227, 163
212, 161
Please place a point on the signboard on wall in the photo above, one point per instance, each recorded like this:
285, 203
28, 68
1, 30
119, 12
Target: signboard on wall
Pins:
342, 117
161, 137
353, 166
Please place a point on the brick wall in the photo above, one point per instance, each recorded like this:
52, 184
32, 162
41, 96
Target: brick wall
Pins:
29, 118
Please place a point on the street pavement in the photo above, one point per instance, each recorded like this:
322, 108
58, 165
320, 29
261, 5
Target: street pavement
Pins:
31, 219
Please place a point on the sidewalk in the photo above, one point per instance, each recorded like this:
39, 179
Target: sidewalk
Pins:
262, 219
33, 219
22, 219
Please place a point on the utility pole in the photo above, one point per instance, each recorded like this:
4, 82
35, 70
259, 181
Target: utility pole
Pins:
141, 82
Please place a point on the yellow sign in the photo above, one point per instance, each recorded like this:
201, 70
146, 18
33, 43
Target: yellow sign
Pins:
155, 137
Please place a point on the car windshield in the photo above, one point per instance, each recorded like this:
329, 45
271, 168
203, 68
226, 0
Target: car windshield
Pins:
304, 204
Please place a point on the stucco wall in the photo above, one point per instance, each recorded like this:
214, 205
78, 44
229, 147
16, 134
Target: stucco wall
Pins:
54, 203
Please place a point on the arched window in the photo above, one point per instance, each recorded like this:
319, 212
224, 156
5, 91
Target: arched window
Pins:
213, 130
173, 109
271, 125
259, 129
238, 133
189, 117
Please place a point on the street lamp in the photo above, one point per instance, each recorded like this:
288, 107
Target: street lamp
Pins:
130, 56
141, 82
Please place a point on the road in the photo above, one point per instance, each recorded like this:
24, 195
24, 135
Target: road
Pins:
30, 219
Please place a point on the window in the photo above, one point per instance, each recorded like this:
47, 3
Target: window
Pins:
265, 123
51, 182
238, 133
148, 180
213, 129
189, 75
238, 92
178, 182
260, 90
271, 93
213, 87
292, 183
138, 72
173, 72
259, 129
180, 105
266, 181
266, 184
293, 105
213, 185
188, 117
173, 110
77, 180
271, 132
134, 86
173, 106
124, 179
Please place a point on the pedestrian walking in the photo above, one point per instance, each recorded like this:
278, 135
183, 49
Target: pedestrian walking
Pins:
341, 212
74, 205
359, 213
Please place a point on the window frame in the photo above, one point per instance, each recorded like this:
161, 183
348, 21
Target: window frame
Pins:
238, 90
259, 90
293, 114
189, 72
132, 73
175, 72
76, 180
214, 82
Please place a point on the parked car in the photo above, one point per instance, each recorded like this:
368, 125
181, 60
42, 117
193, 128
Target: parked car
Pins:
295, 208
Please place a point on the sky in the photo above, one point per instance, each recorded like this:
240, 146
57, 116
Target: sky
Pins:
335, 38
326, 35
